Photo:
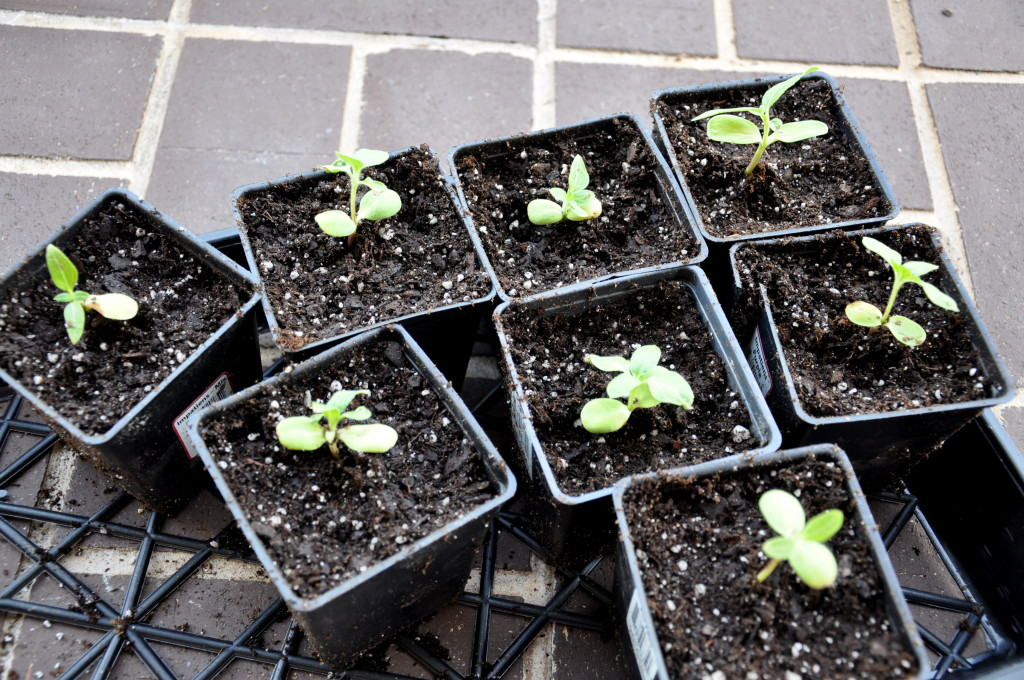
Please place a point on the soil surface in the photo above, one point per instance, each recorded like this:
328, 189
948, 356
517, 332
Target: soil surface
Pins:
698, 545
419, 260
548, 353
636, 229
95, 382
310, 509
822, 180
840, 368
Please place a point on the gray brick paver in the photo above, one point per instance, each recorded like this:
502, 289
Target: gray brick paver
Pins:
130, 9
967, 34
679, 27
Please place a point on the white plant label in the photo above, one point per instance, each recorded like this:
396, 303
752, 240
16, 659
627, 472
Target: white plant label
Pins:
758, 363
220, 389
641, 642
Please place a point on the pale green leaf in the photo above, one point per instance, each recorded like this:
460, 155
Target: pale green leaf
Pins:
74, 321
379, 206
783, 512
814, 564
586, 208
64, 297
907, 331
666, 393
336, 223
882, 250
775, 123
938, 298
350, 165
301, 433
358, 413
370, 157
621, 385
920, 268
778, 547
644, 359
113, 306
734, 130
773, 93
558, 194
718, 112
342, 398
798, 131
542, 211
864, 314
677, 382
600, 416
823, 526
63, 272
372, 184
579, 178
374, 438
607, 363
641, 396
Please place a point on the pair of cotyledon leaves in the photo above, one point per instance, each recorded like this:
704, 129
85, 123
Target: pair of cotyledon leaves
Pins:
309, 433
576, 204
377, 204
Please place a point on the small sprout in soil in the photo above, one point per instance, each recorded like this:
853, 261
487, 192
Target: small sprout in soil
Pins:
800, 542
309, 433
379, 203
642, 383
903, 329
577, 204
65, 276
724, 127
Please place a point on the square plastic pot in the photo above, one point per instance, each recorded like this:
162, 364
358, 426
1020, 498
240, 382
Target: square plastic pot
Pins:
567, 525
144, 451
881, 446
414, 582
634, 621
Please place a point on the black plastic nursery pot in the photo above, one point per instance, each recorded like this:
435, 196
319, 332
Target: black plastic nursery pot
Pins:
147, 450
572, 524
645, 224
447, 291
673, 108
882, 445
734, 630
358, 600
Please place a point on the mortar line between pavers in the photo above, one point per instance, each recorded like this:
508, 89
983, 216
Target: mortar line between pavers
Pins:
65, 167
544, 111
725, 31
352, 110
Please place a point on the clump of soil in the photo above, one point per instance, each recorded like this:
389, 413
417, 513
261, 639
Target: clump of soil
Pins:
840, 368
95, 382
548, 352
698, 546
636, 229
325, 520
419, 260
822, 180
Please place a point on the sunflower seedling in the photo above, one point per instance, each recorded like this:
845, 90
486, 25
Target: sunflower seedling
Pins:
64, 274
725, 127
327, 426
800, 542
641, 382
905, 330
379, 203
577, 204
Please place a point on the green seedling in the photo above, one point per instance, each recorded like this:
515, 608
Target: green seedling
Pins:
379, 203
800, 542
64, 274
725, 127
641, 382
577, 204
905, 330
325, 426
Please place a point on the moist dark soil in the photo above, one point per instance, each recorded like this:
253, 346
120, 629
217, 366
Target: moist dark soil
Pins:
548, 353
636, 229
95, 382
419, 260
840, 368
312, 510
822, 180
698, 545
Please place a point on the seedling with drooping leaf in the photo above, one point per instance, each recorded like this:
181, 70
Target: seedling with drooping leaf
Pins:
905, 330
577, 204
328, 426
800, 542
64, 274
641, 382
379, 203
725, 127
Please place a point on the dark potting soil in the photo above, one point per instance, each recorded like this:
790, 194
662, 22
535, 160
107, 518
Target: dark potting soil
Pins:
312, 510
840, 368
95, 382
822, 180
635, 230
548, 352
420, 259
698, 546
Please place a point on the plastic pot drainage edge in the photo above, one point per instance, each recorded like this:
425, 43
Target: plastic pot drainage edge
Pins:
670, 194
407, 586
881, 446
141, 450
640, 643
565, 523
446, 333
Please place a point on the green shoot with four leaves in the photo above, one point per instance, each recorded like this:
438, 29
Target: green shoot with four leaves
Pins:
725, 127
379, 203
328, 425
577, 204
800, 542
64, 274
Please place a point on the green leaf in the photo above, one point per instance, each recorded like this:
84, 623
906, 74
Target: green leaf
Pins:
63, 297
778, 547
343, 398
641, 396
882, 250
584, 208
336, 223
320, 407
113, 306
798, 131
372, 184
907, 331
301, 433
542, 211
920, 268
558, 194
718, 112
938, 298
359, 413
677, 381
775, 123
579, 178
823, 526
773, 93
666, 392
814, 564
864, 314
375, 438
607, 364
63, 272
783, 512
379, 206
354, 164
621, 385
733, 129
370, 157
644, 360
600, 416
74, 321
